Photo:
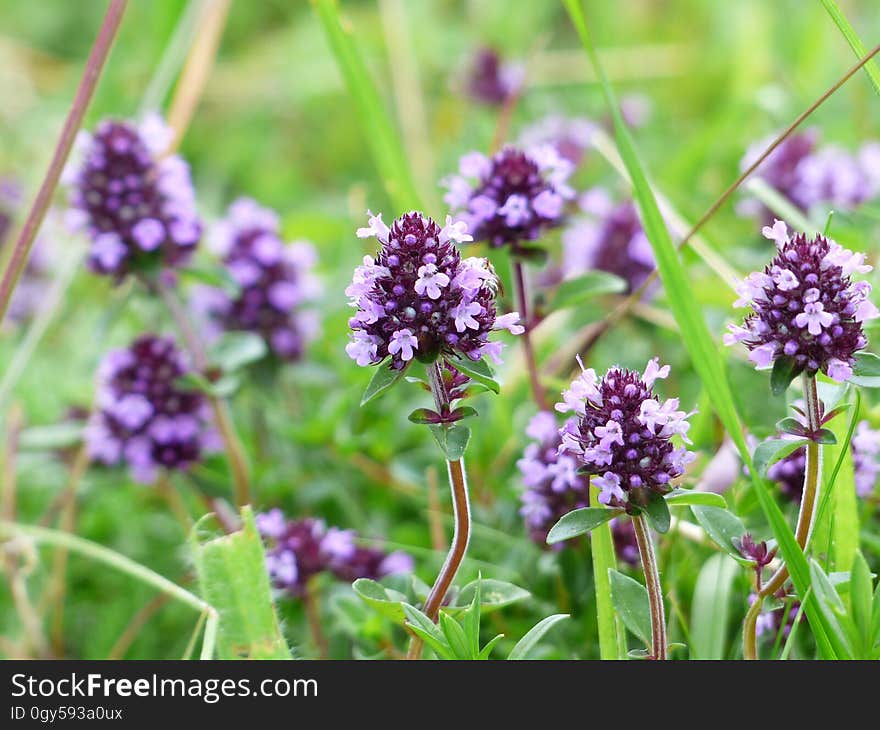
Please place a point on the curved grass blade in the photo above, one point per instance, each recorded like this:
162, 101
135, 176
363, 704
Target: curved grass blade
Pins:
855, 43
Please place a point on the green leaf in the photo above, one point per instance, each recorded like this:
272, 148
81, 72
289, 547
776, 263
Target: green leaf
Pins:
604, 559
453, 440
455, 637
382, 380
484, 654
527, 643
689, 497
423, 416
769, 452
722, 526
379, 132
574, 292
861, 601
494, 594
710, 611
579, 521
428, 631
234, 350
790, 425
831, 607
836, 530
785, 369
866, 370
657, 512
871, 68
387, 602
824, 436
471, 621
231, 571
631, 603
61, 435
477, 370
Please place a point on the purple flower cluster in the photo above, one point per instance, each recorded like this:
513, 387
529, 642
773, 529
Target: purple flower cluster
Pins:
511, 197
143, 417
275, 281
419, 298
788, 472
490, 80
300, 549
553, 485
137, 206
805, 306
623, 532
608, 238
623, 433
808, 177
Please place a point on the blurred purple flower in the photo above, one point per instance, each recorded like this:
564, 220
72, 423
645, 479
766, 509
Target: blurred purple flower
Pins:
512, 197
805, 306
275, 281
297, 550
571, 136
143, 417
625, 543
552, 485
136, 203
608, 238
623, 433
492, 81
809, 177
419, 297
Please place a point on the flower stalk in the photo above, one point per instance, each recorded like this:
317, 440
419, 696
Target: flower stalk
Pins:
461, 515
98, 56
528, 348
806, 517
652, 583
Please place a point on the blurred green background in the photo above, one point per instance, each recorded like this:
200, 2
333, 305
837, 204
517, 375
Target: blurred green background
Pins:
276, 123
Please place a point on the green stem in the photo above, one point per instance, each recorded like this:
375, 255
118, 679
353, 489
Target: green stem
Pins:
461, 515
806, 517
20, 253
652, 583
528, 347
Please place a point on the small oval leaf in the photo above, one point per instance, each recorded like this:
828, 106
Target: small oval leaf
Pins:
580, 521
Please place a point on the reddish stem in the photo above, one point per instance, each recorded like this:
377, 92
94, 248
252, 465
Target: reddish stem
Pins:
94, 65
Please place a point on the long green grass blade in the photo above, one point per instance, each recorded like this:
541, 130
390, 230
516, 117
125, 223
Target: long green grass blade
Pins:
697, 339
837, 528
855, 43
602, 545
381, 135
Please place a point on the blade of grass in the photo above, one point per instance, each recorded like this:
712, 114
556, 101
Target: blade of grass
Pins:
602, 546
379, 131
852, 38
837, 528
698, 341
